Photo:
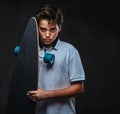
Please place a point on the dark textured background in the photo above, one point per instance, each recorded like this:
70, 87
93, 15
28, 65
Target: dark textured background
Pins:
92, 27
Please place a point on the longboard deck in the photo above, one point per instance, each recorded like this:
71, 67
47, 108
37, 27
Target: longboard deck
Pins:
25, 75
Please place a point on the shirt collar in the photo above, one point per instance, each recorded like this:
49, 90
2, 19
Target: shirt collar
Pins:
57, 44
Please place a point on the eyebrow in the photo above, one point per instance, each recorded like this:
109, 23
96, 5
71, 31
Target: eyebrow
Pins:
42, 28
53, 28
49, 29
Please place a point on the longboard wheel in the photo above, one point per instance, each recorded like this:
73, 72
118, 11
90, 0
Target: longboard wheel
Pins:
16, 50
49, 58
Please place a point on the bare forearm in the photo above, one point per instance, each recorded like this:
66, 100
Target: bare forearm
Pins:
70, 91
41, 94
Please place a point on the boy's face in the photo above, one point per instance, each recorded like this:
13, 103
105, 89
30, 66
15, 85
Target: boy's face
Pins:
48, 32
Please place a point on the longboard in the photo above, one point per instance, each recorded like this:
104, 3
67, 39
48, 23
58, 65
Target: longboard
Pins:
25, 75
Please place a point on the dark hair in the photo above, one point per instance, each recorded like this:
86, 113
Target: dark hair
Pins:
51, 13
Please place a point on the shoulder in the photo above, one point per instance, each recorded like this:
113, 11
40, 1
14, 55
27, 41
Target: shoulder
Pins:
68, 49
67, 46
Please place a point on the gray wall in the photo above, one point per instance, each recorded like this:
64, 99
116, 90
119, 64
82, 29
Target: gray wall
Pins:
92, 27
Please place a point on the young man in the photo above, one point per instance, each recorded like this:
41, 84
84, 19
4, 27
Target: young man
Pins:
58, 84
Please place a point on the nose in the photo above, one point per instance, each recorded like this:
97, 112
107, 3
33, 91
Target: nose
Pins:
47, 33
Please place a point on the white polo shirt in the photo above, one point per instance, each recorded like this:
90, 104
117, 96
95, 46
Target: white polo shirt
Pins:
67, 68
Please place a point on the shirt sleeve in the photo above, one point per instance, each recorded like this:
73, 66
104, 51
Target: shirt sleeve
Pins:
76, 71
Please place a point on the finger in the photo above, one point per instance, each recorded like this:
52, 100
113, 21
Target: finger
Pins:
30, 92
34, 99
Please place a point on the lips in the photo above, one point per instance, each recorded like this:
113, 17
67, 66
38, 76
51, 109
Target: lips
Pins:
47, 40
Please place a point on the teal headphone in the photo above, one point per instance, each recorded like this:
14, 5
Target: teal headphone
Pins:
48, 58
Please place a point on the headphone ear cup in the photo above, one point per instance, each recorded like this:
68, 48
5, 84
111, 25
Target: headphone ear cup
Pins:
49, 58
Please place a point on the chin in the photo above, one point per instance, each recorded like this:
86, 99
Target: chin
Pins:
47, 45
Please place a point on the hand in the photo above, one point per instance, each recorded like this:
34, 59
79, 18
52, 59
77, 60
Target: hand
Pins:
36, 95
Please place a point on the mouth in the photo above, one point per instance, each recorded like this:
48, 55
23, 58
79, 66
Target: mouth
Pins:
47, 40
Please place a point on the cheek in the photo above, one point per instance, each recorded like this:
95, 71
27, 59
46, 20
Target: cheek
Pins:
41, 34
55, 35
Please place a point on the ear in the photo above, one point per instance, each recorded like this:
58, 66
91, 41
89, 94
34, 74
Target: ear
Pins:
60, 27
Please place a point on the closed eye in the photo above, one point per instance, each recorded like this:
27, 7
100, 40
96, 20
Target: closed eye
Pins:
53, 29
42, 29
